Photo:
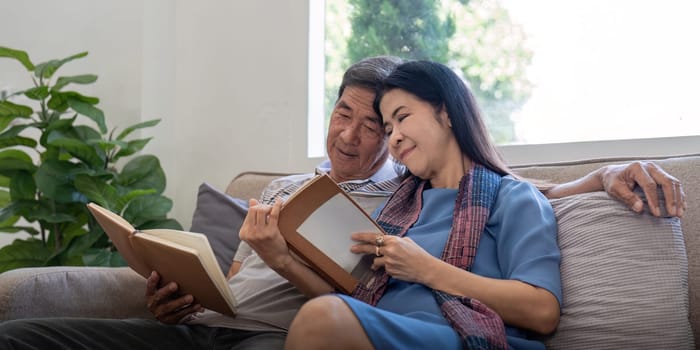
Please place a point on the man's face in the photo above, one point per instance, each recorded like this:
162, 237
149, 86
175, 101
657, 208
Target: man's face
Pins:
356, 144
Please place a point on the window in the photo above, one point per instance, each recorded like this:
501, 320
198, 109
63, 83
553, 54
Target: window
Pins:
543, 72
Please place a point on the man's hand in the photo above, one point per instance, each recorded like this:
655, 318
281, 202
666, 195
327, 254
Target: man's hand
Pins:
619, 181
261, 232
166, 304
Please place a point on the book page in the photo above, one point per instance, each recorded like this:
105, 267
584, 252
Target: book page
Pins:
345, 219
197, 241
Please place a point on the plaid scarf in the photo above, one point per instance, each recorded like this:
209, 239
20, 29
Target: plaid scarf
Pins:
478, 325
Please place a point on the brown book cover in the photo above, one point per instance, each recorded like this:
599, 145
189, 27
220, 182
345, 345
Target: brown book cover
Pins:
316, 221
180, 256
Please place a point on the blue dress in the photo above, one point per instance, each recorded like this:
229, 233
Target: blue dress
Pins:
519, 242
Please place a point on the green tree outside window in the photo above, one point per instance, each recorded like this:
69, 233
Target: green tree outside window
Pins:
475, 37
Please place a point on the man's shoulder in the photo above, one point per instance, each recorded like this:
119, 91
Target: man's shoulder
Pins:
284, 186
290, 179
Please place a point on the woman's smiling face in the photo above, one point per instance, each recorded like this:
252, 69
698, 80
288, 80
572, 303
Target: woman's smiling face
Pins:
419, 136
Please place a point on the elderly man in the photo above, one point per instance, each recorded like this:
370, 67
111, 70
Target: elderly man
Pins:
266, 287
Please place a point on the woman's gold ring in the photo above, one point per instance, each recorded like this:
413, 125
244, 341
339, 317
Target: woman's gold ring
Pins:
379, 241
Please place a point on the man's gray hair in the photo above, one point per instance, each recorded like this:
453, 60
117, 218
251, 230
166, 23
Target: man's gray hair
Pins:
369, 72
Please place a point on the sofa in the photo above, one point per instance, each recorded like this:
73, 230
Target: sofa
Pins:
629, 280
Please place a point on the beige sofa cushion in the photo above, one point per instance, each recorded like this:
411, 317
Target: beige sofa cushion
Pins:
627, 292
67, 291
686, 170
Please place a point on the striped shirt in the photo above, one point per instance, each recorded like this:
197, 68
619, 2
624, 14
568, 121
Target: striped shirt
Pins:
381, 184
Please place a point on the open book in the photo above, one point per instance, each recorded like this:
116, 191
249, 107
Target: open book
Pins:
180, 256
316, 221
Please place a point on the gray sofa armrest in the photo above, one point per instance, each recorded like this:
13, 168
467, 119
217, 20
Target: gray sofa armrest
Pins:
62, 291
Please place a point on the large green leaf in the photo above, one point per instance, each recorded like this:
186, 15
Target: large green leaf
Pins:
107, 145
14, 130
64, 260
7, 224
33, 210
129, 130
74, 95
24, 253
43, 209
89, 111
15, 154
16, 209
147, 208
62, 124
23, 186
47, 69
9, 109
11, 137
130, 195
5, 121
143, 172
98, 257
103, 257
98, 191
116, 260
77, 148
50, 217
83, 242
76, 79
70, 230
87, 133
19, 55
106, 175
132, 147
54, 178
9, 227
162, 223
9, 166
37, 93
59, 99
14, 160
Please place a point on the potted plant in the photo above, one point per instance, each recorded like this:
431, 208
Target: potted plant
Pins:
55, 157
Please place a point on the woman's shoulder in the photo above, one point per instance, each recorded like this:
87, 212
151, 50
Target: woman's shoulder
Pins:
515, 193
510, 184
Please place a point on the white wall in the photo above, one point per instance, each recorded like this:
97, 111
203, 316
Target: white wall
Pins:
239, 96
228, 78
111, 31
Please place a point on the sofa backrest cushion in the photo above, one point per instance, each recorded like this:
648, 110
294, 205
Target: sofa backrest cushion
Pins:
219, 217
624, 278
685, 168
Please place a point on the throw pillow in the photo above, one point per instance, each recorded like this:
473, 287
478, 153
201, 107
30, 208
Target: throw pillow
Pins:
624, 278
219, 217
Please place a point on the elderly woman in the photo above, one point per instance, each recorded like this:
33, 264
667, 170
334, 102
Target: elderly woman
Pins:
471, 256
